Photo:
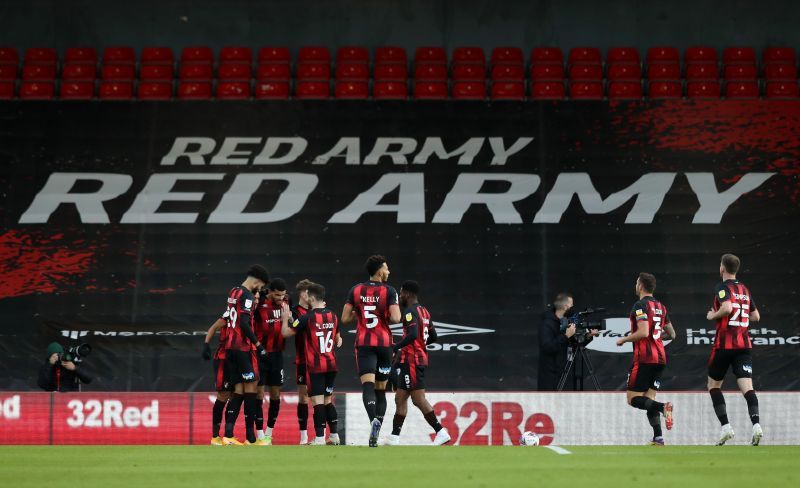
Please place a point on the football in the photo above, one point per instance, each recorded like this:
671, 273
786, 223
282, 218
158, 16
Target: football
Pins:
528, 438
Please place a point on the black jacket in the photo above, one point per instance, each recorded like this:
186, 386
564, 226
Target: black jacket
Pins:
553, 346
54, 377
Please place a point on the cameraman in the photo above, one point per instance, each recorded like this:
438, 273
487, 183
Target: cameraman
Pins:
59, 375
553, 343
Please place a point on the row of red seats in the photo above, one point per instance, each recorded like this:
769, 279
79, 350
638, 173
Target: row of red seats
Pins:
553, 90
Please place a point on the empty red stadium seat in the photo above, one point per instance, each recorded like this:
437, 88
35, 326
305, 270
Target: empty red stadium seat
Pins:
469, 72
190, 90
80, 55
741, 89
157, 55
623, 55
198, 55
352, 71
469, 90
781, 89
235, 54
351, 90
508, 72
390, 90
36, 90
352, 54
79, 72
430, 72
547, 90
274, 54
469, 55
702, 89
588, 55
40, 55
119, 55
664, 71
113, 90
660, 90
391, 72
234, 72
39, 72
154, 90
8, 72
196, 72
233, 90
118, 72
741, 72
780, 72
702, 71
314, 72
312, 89
625, 71
6, 91
663, 54
586, 72
625, 90
508, 90
9, 55
77, 90
273, 71
272, 90
783, 55
430, 55
735, 55
583, 90
547, 72
547, 55
700, 54
314, 54
390, 54
507, 55
156, 72
436, 90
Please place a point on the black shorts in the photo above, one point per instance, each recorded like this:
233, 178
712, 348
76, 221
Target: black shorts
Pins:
410, 376
739, 360
643, 377
300, 373
271, 369
242, 366
374, 359
321, 383
222, 380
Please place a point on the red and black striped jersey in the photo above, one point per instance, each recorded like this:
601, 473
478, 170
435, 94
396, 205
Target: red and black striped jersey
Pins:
223, 338
299, 351
318, 329
649, 350
267, 325
732, 331
418, 318
371, 301
240, 307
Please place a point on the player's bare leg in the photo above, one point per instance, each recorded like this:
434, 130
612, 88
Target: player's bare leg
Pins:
234, 405
400, 412
302, 412
274, 409
419, 401
217, 413
332, 418
718, 400
645, 400
746, 387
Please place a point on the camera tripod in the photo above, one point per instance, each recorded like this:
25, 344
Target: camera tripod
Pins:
577, 351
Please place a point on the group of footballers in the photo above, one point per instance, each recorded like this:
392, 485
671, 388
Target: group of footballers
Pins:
733, 309
249, 359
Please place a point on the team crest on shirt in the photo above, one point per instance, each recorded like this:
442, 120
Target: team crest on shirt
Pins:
409, 317
722, 293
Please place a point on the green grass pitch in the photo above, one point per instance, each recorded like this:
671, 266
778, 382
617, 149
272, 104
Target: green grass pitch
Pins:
461, 466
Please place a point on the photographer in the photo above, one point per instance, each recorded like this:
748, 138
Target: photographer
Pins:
56, 374
553, 343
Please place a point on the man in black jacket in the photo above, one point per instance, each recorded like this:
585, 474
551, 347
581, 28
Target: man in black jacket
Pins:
553, 343
58, 375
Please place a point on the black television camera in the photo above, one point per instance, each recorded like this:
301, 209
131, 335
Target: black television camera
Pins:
75, 354
583, 324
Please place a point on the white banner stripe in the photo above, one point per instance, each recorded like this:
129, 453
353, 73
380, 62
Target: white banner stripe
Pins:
559, 450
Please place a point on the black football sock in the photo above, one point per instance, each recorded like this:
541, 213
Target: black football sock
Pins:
259, 414
368, 396
319, 420
380, 404
232, 413
655, 421
718, 399
397, 423
333, 418
752, 405
644, 403
250, 400
430, 417
302, 415
216, 417
274, 408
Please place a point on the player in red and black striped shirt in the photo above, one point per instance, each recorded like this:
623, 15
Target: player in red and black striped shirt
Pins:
222, 382
374, 305
412, 361
319, 331
733, 310
298, 311
649, 321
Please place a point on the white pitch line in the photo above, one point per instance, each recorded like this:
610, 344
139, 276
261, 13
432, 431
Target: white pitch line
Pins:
559, 450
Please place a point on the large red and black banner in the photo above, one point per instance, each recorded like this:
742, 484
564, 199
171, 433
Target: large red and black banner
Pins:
125, 225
